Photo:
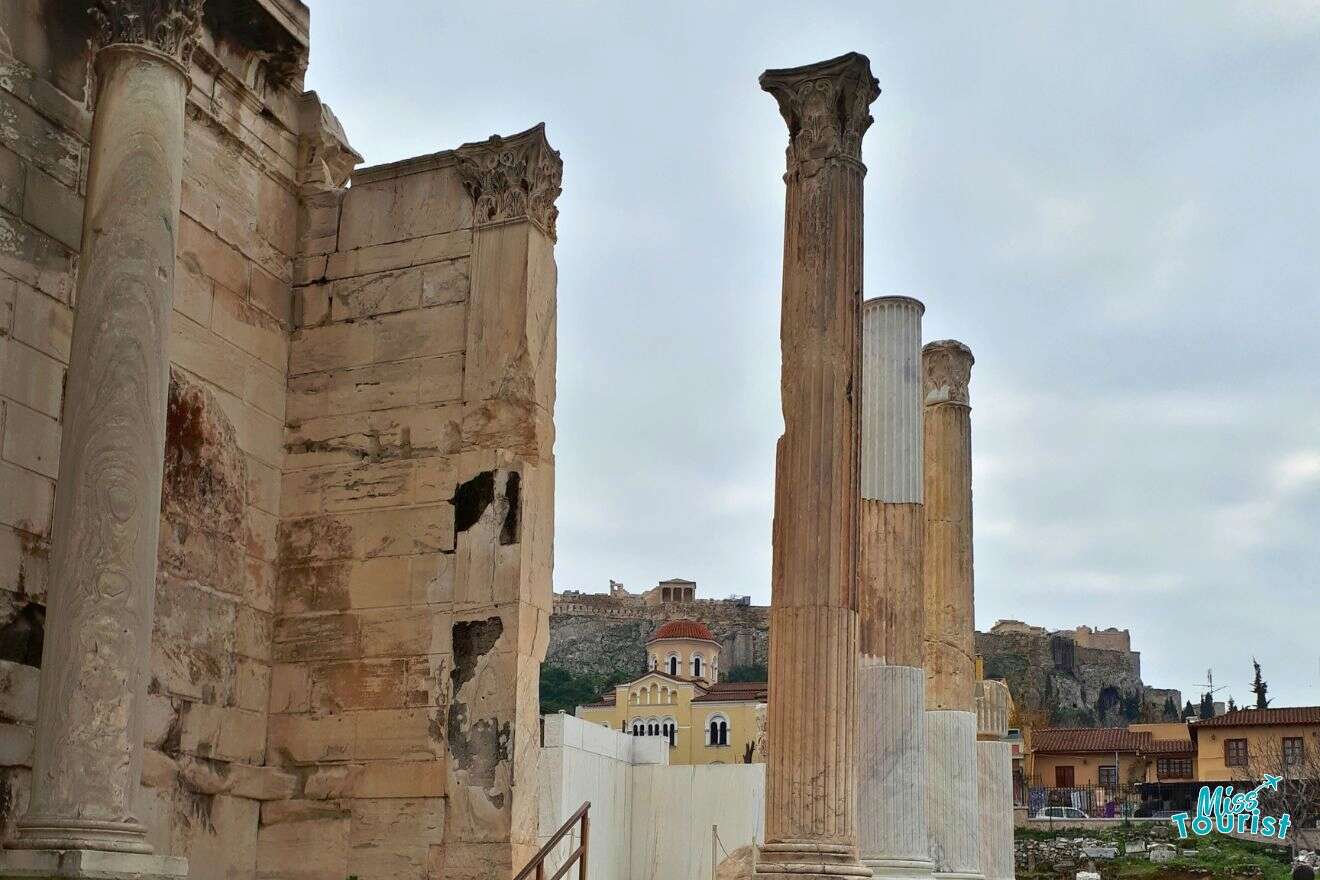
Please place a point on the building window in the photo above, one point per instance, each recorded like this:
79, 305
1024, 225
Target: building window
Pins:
670, 731
637, 727
717, 731
1235, 752
1108, 776
673, 665
1294, 749
1173, 768
696, 666
1063, 776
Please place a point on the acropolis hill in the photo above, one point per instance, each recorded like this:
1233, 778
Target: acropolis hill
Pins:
1078, 676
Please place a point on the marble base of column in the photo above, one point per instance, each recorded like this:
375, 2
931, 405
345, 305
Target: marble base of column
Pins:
891, 814
994, 790
952, 813
89, 864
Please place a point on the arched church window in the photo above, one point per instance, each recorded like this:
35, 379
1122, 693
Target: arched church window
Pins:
696, 666
673, 664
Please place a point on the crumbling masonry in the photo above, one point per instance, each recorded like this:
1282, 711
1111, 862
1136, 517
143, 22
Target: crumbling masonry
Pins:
276, 472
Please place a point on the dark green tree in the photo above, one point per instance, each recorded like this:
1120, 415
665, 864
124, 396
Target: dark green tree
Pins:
1259, 687
1232, 704
1188, 711
563, 690
1170, 709
747, 672
1207, 706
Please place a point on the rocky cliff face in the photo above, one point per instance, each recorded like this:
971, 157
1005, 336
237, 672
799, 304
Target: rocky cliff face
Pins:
1072, 685
598, 638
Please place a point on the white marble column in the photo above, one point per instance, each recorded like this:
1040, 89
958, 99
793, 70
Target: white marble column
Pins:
951, 804
88, 758
811, 781
994, 791
891, 682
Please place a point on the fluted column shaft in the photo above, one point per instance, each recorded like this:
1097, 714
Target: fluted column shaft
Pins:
951, 722
994, 792
811, 775
88, 757
891, 683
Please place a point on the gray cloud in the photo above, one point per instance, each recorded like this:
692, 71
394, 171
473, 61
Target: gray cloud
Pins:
1115, 205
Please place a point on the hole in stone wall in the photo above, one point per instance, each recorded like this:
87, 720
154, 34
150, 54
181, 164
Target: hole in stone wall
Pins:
22, 637
471, 499
509, 531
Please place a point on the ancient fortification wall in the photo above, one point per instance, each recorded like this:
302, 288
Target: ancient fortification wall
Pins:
1092, 679
353, 588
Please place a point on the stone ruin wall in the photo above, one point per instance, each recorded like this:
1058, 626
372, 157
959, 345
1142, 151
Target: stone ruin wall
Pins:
599, 635
353, 588
1053, 673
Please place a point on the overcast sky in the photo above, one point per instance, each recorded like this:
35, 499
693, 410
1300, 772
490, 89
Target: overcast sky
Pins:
1117, 206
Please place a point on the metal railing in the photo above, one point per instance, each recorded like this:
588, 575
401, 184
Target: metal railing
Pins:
536, 867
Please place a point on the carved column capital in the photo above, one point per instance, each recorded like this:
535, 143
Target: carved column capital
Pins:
826, 105
947, 365
513, 178
171, 27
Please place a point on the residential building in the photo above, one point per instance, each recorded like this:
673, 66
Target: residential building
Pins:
1249, 742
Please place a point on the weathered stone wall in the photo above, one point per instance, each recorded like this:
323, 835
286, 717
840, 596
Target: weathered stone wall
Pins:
416, 534
204, 772
603, 637
353, 589
1070, 683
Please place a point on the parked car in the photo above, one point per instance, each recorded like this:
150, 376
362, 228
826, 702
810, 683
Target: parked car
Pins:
1061, 813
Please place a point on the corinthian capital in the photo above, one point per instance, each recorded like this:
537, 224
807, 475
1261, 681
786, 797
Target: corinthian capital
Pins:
947, 365
513, 178
826, 105
168, 26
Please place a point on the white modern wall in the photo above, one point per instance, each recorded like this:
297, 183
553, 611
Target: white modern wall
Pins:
649, 820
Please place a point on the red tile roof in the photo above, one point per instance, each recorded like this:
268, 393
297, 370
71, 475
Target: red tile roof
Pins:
683, 629
1263, 717
1071, 740
1170, 747
733, 691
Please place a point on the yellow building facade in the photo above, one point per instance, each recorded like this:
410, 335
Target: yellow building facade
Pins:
1246, 743
681, 699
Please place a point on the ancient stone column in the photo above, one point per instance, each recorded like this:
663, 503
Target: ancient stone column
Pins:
811, 826
891, 682
994, 780
88, 759
951, 804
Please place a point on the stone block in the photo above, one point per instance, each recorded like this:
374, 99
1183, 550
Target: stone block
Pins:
321, 637
217, 834
39, 141
79, 863
224, 733
204, 253
42, 322
398, 734
199, 351
31, 440
31, 256
262, 783
159, 771
359, 684
339, 392
401, 779
404, 207
290, 688
13, 177
53, 207
31, 378
24, 561
393, 632
263, 485
236, 320
15, 745
396, 255
264, 389
303, 810
18, 690
252, 684
311, 849
440, 379
391, 839
332, 782
305, 739
435, 330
